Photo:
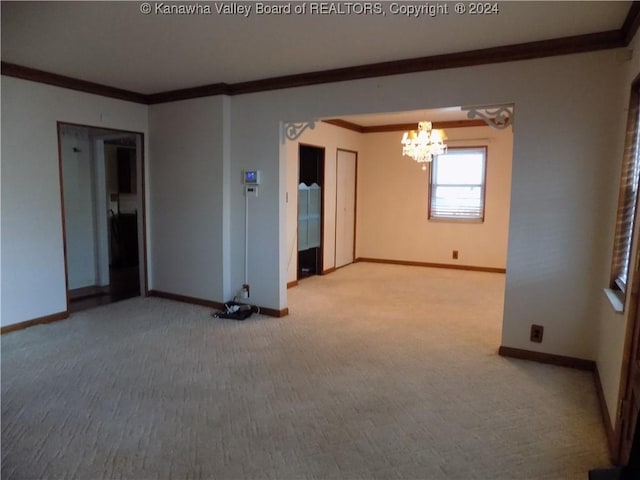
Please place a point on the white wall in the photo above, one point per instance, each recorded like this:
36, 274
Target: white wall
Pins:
563, 150
33, 276
79, 195
393, 195
331, 138
611, 326
186, 204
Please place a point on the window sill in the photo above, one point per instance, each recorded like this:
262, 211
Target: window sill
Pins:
455, 220
616, 298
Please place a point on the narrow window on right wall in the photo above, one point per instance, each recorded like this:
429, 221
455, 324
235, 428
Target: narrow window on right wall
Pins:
627, 200
458, 184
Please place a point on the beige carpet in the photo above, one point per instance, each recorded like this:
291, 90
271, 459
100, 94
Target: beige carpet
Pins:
380, 371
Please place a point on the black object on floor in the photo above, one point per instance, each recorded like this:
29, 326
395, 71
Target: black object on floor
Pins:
235, 311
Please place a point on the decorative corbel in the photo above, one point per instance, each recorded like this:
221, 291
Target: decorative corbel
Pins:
293, 130
496, 116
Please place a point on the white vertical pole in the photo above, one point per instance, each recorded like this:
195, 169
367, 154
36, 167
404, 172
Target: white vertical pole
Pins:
246, 238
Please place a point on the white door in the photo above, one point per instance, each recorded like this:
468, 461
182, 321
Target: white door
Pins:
345, 207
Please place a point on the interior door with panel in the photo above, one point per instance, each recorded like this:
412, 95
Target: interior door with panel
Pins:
346, 167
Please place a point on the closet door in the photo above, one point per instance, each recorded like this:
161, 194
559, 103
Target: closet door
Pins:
346, 163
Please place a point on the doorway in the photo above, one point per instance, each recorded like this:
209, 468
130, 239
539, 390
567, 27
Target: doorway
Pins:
101, 176
310, 210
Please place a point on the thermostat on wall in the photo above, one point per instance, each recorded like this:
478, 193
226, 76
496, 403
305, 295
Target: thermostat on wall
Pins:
251, 177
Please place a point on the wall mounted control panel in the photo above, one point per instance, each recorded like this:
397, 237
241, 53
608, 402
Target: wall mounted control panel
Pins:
251, 177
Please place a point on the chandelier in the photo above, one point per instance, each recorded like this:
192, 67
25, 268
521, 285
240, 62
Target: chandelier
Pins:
424, 144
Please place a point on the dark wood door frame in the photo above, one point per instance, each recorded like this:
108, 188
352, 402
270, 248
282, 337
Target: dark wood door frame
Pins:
322, 173
59, 126
629, 406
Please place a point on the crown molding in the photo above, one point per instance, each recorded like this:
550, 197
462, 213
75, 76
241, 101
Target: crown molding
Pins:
189, 93
631, 23
40, 76
524, 51
338, 122
401, 127
510, 53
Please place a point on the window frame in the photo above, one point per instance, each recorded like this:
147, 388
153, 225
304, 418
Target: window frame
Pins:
483, 185
624, 234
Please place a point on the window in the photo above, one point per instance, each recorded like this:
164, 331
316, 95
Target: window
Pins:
458, 184
627, 199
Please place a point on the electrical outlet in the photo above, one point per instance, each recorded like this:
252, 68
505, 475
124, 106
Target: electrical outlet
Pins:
454, 255
537, 331
245, 291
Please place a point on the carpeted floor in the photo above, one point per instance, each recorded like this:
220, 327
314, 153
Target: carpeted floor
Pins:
380, 371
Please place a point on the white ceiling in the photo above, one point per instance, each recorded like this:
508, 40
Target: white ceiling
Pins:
112, 43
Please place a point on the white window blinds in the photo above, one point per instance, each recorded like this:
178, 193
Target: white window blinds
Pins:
628, 198
458, 184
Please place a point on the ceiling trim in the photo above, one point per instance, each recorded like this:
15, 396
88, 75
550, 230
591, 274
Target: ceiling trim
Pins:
400, 127
631, 23
338, 122
187, 93
40, 76
524, 51
510, 53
